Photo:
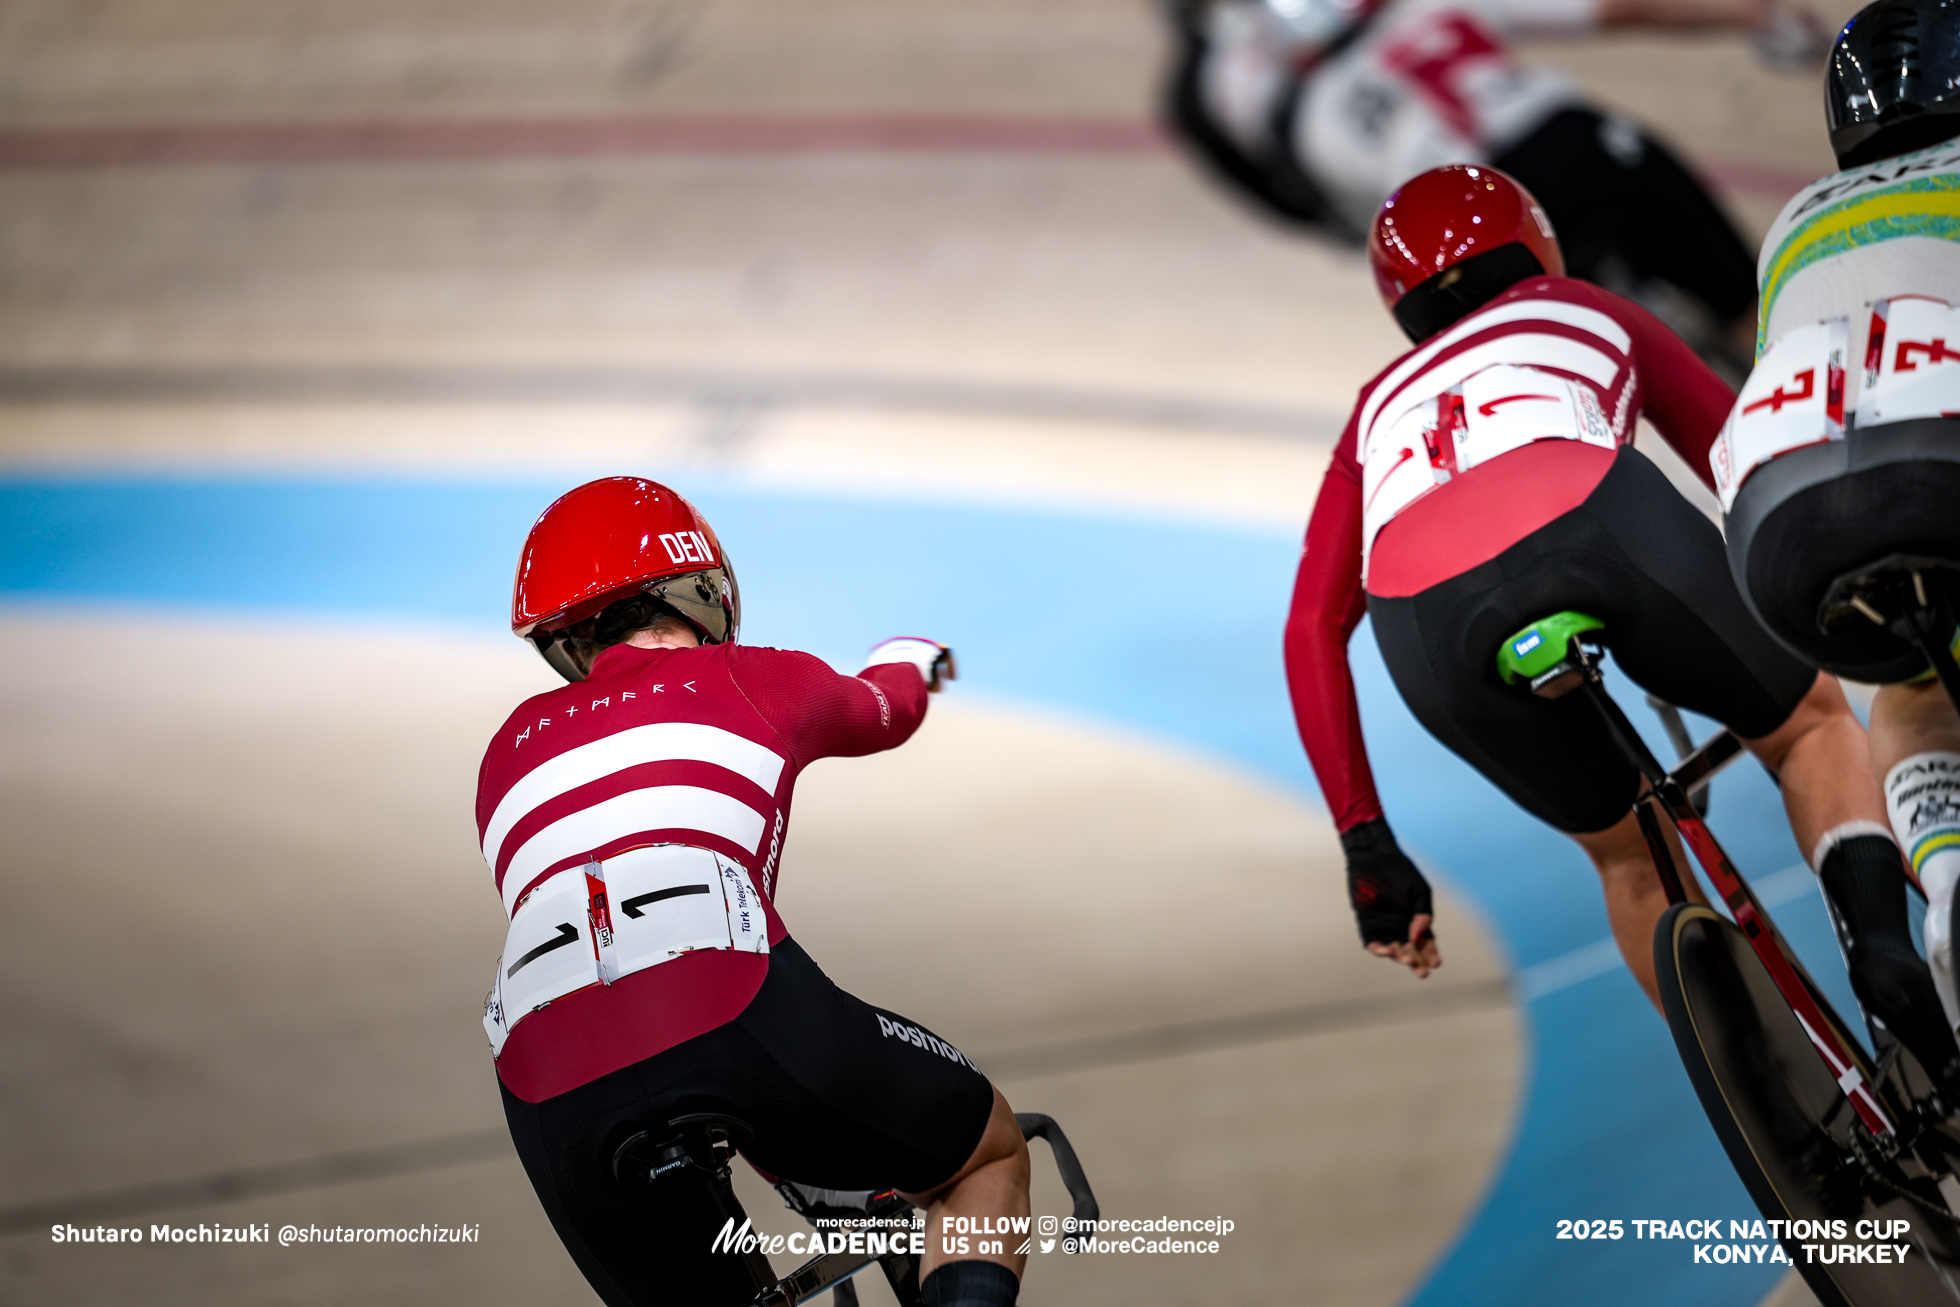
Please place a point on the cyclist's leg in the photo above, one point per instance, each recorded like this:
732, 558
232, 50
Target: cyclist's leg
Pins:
994, 1182
1682, 630
1635, 898
1821, 757
877, 1101
1554, 758
1678, 626
1916, 749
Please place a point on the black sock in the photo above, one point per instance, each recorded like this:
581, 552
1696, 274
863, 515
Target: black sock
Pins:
1866, 883
970, 1284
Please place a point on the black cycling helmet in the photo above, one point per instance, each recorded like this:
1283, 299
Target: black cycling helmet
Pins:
1894, 80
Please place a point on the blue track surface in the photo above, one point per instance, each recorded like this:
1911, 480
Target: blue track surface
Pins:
1171, 628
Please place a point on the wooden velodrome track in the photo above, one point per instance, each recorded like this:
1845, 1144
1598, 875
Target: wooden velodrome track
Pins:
899, 252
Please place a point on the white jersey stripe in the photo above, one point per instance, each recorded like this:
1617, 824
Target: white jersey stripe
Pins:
1560, 352
1541, 310
660, 807
659, 742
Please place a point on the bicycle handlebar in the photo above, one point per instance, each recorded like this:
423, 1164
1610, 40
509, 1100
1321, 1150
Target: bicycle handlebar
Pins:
1033, 1125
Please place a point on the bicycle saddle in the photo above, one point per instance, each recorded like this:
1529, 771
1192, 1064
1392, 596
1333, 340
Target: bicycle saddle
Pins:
1541, 654
703, 1140
1883, 591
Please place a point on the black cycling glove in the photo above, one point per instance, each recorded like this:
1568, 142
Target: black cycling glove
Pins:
1384, 887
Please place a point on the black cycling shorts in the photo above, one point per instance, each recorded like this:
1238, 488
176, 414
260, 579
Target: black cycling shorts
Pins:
835, 1102
1615, 193
1643, 560
1815, 514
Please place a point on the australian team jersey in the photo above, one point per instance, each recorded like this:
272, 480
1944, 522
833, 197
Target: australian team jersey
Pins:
1428, 82
1859, 313
1460, 449
634, 824
1887, 228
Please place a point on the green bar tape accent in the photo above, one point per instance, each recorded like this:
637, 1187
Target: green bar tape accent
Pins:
1542, 646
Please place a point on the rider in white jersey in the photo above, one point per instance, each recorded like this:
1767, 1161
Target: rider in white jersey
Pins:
1843, 448
1880, 228
1319, 109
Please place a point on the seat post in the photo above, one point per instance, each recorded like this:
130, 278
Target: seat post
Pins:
1551, 657
1593, 685
702, 1147
1930, 628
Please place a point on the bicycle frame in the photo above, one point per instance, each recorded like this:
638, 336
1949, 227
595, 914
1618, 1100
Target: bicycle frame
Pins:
1671, 794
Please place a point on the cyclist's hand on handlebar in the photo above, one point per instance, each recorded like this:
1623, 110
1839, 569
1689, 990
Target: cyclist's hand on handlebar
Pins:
934, 660
1391, 899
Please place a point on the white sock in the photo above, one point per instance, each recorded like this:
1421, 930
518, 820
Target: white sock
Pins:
1922, 796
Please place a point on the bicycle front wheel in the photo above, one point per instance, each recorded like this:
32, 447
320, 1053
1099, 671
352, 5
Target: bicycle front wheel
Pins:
1780, 1115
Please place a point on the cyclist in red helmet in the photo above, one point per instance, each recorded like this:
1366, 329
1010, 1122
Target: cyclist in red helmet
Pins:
1488, 478
634, 822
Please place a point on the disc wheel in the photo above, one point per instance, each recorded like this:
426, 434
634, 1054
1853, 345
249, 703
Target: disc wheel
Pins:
1780, 1116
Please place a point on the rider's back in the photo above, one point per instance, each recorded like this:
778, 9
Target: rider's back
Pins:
1883, 229
1539, 388
1840, 450
670, 749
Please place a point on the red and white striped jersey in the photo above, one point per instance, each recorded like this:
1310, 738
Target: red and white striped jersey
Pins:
1458, 450
1530, 368
698, 747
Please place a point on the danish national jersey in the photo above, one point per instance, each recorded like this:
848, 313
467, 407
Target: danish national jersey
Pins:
634, 823
1458, 450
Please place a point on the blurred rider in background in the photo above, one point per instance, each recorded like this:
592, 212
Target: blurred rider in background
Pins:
1318, 109
634, 823
1487, 479
1844, 447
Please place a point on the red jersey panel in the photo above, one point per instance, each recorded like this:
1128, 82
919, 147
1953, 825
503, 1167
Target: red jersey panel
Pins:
1626, 363
699, 747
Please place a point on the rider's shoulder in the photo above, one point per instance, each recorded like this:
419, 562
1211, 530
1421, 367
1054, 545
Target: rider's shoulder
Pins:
747, 660
1502, 314
1569, 290
1936, 166
1578, 301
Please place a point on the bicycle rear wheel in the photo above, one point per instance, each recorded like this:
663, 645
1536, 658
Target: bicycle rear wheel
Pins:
1781, 1118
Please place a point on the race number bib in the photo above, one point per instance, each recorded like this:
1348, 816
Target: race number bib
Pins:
1505, 407
548, 953
593, 924
1794, 398
1491, 412
1910, 353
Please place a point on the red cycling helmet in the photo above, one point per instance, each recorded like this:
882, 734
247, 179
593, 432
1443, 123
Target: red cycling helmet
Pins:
614, 539
1453, 238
